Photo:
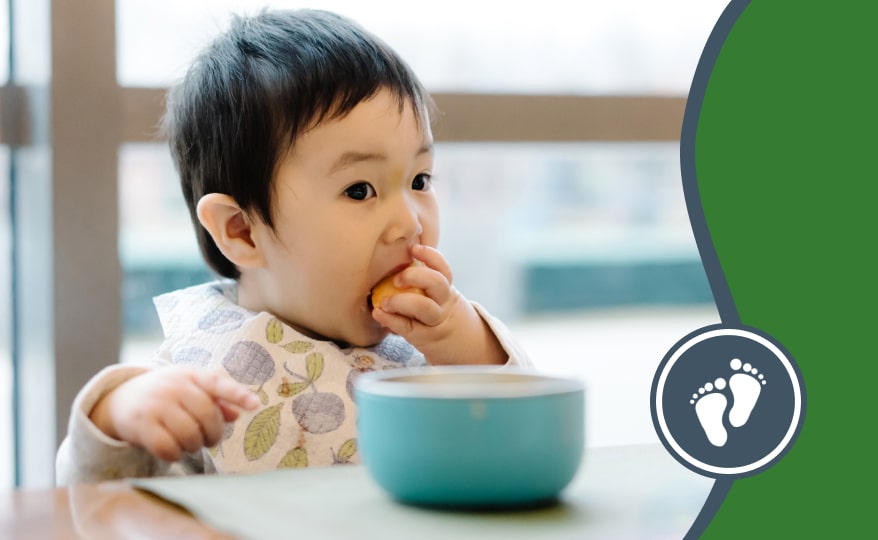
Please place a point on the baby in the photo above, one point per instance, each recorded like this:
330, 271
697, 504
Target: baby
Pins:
305, 153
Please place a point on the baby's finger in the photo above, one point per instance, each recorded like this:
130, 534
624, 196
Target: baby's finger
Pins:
206, 412
397, 324
229, 412
222, 387
160, 443
185, 429
414, 306
429, 280
434, 259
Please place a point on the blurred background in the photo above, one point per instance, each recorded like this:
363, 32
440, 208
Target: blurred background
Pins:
557, 168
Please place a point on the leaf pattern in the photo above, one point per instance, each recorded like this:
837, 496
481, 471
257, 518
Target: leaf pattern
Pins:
274, 331
262, 432
297, 347
314, 365
288, 389
294, 459
347, 451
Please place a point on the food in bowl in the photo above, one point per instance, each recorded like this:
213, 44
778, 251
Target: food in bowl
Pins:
470, 436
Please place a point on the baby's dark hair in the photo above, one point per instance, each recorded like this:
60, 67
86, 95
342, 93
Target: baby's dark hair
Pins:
258, 87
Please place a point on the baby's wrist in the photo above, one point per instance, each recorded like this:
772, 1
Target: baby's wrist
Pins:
100, 416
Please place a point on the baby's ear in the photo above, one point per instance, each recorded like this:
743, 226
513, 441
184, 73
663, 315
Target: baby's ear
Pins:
230, 227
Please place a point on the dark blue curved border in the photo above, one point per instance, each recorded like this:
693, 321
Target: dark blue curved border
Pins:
721, 294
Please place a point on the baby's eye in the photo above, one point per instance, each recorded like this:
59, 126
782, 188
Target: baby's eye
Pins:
360, 191
422, 182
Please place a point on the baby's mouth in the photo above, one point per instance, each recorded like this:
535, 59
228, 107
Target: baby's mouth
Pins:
369, 302
392, 272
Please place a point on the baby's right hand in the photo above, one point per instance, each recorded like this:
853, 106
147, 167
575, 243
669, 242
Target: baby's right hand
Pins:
171, 410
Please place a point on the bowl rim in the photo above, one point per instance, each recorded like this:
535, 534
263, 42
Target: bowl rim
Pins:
393, 383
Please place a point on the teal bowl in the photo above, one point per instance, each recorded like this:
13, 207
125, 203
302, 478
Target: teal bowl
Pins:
470, 436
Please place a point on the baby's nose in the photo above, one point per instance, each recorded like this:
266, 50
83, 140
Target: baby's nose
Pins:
405, 222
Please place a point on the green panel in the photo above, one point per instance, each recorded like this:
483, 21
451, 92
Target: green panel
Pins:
786, 155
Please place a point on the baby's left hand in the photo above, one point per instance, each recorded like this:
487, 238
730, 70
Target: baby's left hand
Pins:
442, 323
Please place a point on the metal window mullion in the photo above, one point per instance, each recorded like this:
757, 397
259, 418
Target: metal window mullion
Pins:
67, 272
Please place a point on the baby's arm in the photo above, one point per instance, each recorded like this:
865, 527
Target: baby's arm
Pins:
172, 410
442, 323
88, 453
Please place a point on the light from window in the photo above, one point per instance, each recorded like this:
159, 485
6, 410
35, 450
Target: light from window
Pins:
4, 42
591, 47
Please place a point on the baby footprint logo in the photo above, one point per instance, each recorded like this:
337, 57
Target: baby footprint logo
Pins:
711, 401
710, 408
745, 387
727, 401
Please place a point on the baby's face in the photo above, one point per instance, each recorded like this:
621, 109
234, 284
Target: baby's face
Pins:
350, 201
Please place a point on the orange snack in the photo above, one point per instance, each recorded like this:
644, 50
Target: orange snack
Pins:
385, 289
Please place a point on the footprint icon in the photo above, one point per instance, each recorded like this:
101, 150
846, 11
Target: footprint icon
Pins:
711, 401
746, 385
718, 414
710, 406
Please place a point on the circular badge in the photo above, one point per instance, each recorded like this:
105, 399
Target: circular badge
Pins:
727, 401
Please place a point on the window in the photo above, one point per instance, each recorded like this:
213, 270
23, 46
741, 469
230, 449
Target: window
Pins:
593, 47
4, 41
581, 225
542, 233
6, 374
157, 245
574, 209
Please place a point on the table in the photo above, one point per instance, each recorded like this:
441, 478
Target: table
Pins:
619, 492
